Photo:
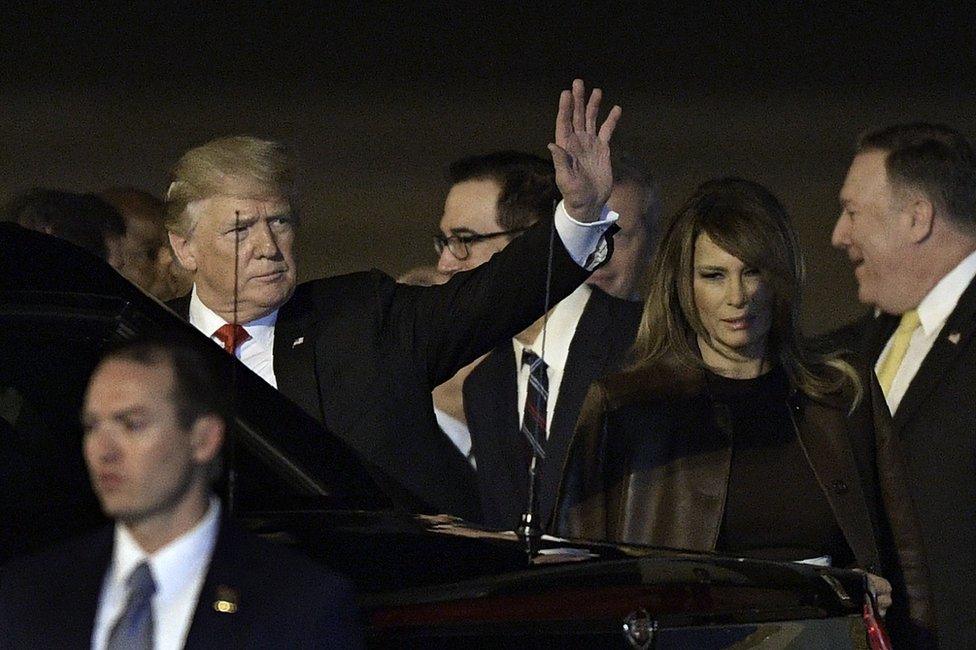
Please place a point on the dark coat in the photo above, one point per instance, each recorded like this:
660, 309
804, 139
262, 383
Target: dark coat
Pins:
605, 331
283, 599
934, 432
650, 462
361, 353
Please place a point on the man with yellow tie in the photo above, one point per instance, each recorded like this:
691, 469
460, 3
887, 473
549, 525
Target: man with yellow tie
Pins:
908, 224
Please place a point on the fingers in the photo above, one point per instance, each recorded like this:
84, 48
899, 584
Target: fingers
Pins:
579, 113
592, 109
564, 119
610, 123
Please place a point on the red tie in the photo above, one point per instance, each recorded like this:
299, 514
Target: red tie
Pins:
232, 336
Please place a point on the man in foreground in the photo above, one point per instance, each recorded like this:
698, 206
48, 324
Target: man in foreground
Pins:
172, 572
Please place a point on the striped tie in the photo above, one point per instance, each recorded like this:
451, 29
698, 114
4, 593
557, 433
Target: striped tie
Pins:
536, 398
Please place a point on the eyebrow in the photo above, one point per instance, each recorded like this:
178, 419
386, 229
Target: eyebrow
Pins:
463, 231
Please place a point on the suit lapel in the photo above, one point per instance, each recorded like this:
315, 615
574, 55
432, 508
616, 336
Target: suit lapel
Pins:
490, 394
587, 358
78, 598
294, 357
217, 621
960, 327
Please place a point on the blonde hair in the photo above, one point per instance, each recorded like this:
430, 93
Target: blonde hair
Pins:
746, 220
241, 166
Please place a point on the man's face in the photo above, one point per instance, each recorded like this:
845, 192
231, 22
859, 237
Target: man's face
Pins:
631, 246
138, 248
260, 234
143, 464
871, 228
471, 208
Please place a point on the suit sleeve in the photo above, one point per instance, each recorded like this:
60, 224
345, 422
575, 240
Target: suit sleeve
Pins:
448, 326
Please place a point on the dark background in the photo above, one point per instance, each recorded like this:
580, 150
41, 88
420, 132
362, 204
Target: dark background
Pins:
377, 99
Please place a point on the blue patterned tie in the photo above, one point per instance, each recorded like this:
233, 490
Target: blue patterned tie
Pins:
134, 628
536, 400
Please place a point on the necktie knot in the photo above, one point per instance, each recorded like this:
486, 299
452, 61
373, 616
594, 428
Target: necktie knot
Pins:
909, 321
533, 361
140, 581
232, 336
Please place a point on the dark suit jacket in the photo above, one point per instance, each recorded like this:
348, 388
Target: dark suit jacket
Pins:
650, 461
362, 353
935, 430
283, 599
605, 331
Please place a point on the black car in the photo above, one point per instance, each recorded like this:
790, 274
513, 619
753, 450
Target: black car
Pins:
424, 580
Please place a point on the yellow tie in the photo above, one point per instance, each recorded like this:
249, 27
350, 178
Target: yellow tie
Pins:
899, 346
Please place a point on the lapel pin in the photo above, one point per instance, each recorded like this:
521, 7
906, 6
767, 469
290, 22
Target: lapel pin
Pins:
954, 338
227, 599
298, 341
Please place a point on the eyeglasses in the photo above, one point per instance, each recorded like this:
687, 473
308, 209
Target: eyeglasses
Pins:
458, 244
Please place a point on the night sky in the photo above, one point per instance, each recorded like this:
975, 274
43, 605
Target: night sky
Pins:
377, 100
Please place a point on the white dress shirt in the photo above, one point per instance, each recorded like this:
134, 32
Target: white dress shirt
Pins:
584, 242
559, 332
257, 353
458, 432
178, 570
933, 312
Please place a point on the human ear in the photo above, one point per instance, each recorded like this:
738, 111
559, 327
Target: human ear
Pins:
920, 213
207, 437
185, 251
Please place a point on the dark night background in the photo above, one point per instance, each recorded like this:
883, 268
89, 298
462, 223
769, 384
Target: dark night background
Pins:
377, 99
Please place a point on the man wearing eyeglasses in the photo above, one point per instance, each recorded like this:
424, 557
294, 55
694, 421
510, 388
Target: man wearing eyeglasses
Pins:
484, 409
361, 352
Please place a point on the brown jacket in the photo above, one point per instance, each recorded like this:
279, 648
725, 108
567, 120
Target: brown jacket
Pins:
651, 456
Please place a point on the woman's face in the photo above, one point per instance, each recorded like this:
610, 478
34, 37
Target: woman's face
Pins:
733, 302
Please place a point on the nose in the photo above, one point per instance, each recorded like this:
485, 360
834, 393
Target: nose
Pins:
735, 293
841, 236
100, 447
265, 243
447, 263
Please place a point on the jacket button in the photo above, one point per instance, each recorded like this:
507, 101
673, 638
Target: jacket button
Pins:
840, 487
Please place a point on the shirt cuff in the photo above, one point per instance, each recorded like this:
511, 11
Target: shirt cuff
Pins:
585, 242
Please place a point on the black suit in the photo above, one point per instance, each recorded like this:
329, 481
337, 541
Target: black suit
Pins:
283, 599
605, 331
362, 353
934, 429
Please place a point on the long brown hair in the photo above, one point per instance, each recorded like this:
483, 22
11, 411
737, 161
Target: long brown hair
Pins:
746, 220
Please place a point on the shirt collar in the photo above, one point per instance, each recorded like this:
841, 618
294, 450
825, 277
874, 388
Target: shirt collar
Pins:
173, 564
208, 321
935, 308
559, 329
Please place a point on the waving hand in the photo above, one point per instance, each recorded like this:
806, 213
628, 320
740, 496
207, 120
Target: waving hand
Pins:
581, 152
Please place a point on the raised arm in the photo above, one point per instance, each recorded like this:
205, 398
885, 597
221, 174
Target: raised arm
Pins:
581, 152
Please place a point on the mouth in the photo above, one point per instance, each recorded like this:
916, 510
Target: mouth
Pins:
108, 481
740, 323
272, 276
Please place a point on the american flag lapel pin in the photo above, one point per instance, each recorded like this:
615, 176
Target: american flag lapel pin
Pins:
954, 338
298, 341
